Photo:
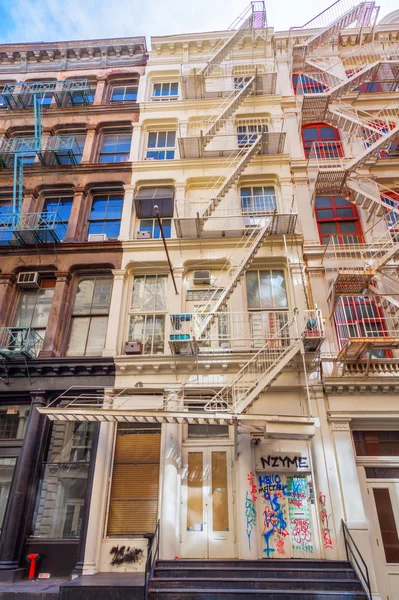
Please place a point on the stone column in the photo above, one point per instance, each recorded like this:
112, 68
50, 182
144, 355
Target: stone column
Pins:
354, 513
294, 139
57, 317
89, 147
13, 533
284, 81
246, 516
77, 221
99, 495
115, 323
170, 507
304, 207
100, 89
7, 297
182, 207
128, 214
135, 148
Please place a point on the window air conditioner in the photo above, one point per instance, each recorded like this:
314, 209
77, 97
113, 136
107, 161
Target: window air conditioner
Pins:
97, 237
133, 348
201, 277
28, 279
144, 235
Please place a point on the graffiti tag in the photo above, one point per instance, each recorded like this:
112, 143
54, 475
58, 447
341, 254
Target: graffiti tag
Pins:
250, 507
327, 538
276, 462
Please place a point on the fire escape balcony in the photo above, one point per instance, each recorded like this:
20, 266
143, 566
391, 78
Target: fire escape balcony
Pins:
31, 228
19, 342
66, 93
59, 150
234, 332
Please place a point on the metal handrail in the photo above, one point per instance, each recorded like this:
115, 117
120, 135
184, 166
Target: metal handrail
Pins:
152, 556
363, 574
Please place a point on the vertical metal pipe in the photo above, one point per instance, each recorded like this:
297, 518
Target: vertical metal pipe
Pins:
166, 248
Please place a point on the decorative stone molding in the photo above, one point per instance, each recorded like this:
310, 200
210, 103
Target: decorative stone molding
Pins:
72, 55
340, 425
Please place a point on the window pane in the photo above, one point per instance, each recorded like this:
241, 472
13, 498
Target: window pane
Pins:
348, 227
195, 493
25, 308
325, 214
78, 337
344, 212
42, 308
152, 139
97, 335
174, 88
101, 296
339, 201
279, 291
98, 208
84, 296
253, 297
327, 133
161, 139
157, 89
386, 519
266, 289
328, 228
171, 139
111, 229
13, 422
7, 466
310, 133
220, 511
323, 201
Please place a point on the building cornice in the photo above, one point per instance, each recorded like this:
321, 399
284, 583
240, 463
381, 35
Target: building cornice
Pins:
87, 54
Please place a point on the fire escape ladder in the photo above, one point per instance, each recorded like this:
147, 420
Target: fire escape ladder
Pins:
329, 23
224, 50
233, 271
259, 372
229, 108
223, 184
369, 196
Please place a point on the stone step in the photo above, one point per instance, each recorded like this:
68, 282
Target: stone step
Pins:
296, 563
272, 583
251, 573
236, 594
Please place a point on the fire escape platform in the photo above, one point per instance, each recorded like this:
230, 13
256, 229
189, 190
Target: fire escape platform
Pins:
194, 227
356, 348
351, 283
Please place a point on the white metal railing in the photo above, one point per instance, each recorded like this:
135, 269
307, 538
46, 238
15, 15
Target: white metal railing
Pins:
325, 18
327, 155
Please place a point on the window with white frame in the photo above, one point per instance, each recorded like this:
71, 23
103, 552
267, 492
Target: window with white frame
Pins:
124, 93
267, 303
90, 316
161, 145
247, 133
105, 215
148, 311
152, 226
115, 147
165, 91
258, 199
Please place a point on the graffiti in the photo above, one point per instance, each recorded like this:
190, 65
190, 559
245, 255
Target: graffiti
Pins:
300, 462
250, 508
298, 511
280, 545
274, 523
125, 555
327, 538
301, 532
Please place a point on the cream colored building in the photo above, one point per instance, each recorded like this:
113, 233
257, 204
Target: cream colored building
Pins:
255, 399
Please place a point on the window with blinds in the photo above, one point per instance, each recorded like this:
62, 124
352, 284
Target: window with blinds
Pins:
135, 482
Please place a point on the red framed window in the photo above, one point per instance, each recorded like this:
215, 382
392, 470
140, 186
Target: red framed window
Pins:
362, 318
327, 136
307, 84
367, 87
338, 217
392, 219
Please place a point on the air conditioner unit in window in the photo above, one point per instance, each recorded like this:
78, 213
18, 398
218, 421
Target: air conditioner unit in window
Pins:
97, 237
28, 279
133, 348
144, 235
202, 277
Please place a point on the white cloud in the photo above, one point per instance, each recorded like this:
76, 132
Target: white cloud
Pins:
52, 20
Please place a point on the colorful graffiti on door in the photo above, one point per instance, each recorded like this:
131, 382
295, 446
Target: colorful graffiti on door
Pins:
327, 538
250, 506
285, 513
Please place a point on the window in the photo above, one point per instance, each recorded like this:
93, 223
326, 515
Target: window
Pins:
6, 219
34, 307
83, 96
115, 147
161, 145
105, 215
23, 148
90, 317
133, 507
307, 85
147, 319
13, 422
326, 137
77, 147
62, 490
152, 226
240, 82
165, 91
58, 208
124, 93
43, 98
267, 302
247, 134
376, 443
7, 467
258, 199
338, 217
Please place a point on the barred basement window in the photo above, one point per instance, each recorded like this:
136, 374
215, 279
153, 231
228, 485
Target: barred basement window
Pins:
133, 508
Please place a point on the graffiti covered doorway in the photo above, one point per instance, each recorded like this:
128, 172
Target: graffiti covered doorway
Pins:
285, 515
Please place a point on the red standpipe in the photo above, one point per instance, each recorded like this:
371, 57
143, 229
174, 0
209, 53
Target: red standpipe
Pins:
32, 558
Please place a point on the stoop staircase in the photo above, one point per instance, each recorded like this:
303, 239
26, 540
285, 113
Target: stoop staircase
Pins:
292, 579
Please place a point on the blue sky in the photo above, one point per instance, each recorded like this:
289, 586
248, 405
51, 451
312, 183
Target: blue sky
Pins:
54, 20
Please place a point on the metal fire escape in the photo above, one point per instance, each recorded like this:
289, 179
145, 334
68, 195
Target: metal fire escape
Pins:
19, 228
357, 272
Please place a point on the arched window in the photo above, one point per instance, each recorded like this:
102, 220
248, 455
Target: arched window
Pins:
326, 137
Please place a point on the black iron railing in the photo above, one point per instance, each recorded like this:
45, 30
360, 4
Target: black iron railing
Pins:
357, 561
152, 556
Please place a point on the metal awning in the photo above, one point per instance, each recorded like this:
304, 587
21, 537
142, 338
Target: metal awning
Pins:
147, 198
